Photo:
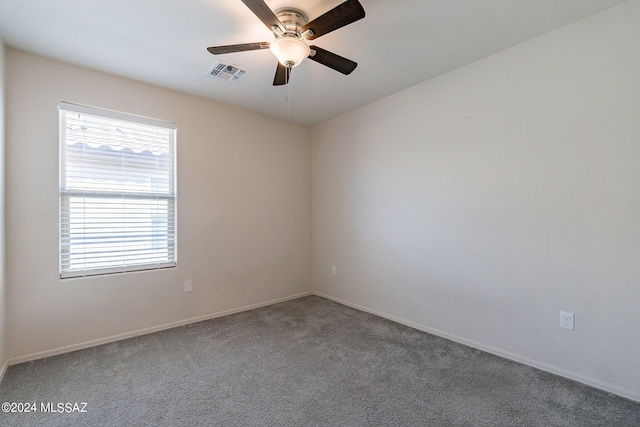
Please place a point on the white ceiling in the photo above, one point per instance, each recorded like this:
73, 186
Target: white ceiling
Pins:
397, 45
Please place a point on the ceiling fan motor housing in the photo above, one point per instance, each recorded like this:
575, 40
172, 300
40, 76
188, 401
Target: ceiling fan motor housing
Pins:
293, 20
289, 46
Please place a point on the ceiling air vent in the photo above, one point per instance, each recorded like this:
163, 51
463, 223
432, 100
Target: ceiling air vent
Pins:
227, 72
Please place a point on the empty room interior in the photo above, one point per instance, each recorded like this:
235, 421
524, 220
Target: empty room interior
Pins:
462, 174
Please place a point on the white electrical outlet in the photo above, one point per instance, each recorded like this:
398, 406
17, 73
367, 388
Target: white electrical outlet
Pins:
334, 270
188, 286
566, 320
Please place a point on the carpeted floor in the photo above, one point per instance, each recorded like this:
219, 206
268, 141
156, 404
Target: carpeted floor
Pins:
306, 362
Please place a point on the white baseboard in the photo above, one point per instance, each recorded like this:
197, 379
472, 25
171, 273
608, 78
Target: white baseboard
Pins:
629, 394
119, 337
611, 388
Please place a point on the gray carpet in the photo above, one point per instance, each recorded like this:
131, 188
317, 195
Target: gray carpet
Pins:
307, 362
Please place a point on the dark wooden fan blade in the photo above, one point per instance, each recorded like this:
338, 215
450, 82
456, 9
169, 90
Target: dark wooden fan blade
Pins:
264, 13
219, 50
344, 14
282, 75
331, 60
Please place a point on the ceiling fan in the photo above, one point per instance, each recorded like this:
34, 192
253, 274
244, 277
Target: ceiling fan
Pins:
291, 27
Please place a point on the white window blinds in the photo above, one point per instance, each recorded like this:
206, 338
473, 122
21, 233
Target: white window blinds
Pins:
117, 192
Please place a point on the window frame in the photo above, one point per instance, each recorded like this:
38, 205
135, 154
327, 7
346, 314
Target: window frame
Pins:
65, 196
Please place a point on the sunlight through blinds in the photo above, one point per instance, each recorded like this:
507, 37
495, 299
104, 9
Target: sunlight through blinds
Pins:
117, 192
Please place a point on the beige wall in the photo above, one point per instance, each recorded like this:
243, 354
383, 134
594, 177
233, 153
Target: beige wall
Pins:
480, 204
476, 205
244, 213
3, 305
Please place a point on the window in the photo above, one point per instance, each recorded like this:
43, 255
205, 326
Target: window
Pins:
117, 192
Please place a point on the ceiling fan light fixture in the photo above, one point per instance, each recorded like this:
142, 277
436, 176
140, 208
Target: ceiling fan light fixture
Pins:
290, 51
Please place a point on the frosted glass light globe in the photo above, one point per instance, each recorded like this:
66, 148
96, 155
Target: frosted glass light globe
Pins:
289, 51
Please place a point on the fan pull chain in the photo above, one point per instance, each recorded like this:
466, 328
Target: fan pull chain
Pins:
288, 91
